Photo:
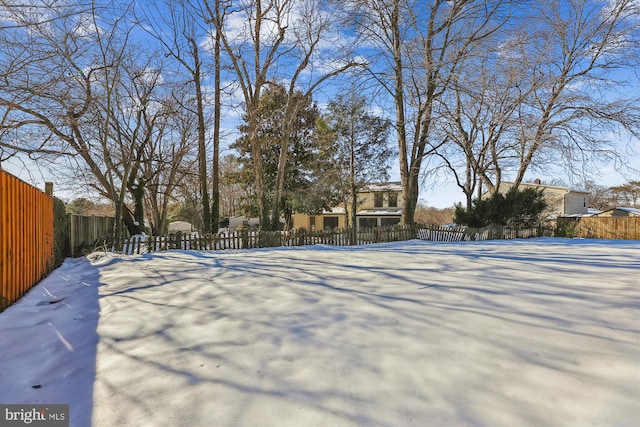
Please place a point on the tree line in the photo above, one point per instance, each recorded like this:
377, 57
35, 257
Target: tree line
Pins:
313, 99
603, 198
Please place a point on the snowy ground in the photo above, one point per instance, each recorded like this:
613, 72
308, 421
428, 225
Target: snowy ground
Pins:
542, 332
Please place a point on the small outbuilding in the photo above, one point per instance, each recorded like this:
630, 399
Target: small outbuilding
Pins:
619, 213
180, 227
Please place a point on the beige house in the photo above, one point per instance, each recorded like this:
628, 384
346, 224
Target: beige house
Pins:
379, 205
327, 220
560, 200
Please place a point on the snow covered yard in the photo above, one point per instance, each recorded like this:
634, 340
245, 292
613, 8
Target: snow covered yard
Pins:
540, 332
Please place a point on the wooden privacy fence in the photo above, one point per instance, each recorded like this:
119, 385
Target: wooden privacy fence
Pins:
248, 239
619, 228
86, 231
26, 237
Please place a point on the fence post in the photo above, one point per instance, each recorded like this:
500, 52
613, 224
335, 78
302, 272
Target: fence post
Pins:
245, 238
72, 234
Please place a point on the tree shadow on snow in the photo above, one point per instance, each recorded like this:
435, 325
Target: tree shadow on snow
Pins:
56, 324
319, 337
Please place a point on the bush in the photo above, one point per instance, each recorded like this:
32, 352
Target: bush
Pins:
60, 227
567, 229
514, 209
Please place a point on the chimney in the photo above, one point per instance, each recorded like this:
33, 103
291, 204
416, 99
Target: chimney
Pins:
537, 181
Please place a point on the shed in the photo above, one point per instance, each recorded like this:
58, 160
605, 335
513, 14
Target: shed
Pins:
180, 226
620, 212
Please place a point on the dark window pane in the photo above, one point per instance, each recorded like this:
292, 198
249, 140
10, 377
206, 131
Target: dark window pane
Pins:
393, 200
367, 222
389, 221
330, 222
377, 200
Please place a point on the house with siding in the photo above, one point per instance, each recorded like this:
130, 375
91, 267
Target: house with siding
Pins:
326, 220
379, 205
560, 200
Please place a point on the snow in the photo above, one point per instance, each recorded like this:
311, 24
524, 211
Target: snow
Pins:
539, 332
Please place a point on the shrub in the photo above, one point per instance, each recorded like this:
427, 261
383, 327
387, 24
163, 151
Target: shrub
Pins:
514, 209
567, 229
60, 237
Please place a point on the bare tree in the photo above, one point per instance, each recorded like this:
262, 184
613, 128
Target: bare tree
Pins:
477, 117
251, 57
541, 91
57, 67
36, 67
600, 196
231, 189
170, 156
217, 14
420, 46
276, 41
84, 91
176, 25
25, 14
627, 194
578, 51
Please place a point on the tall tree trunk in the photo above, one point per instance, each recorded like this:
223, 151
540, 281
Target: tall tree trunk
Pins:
282, 168
291, 111
202, 146
258, 169
354, 193
398, 98
215, 202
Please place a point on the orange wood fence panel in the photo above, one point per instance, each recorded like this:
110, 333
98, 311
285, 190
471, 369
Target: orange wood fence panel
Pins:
26, 237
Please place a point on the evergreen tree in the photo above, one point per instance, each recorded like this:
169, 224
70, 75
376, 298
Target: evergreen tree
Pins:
516, 208
304, 190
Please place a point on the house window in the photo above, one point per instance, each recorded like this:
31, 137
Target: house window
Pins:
378, 200
386, 222
585, 202
393, 200
330, 222
368, 222
312, 222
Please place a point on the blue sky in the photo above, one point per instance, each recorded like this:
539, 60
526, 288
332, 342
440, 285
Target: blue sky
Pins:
438, 191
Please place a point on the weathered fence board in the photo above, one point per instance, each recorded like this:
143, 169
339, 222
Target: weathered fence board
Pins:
248, 239
87, 232
26, 237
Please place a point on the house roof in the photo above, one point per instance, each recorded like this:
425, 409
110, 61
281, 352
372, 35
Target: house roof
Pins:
629, 211
334, 211
380, 212
383, 186
534, 185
